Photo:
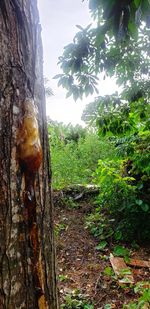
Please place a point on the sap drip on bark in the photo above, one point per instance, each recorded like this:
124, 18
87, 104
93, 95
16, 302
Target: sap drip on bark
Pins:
29, 146
30, 158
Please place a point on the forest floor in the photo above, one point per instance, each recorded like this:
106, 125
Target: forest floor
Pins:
81, 268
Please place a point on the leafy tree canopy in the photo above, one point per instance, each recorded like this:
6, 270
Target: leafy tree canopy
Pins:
113, 47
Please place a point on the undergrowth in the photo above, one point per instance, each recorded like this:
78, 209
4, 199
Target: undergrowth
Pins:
123, 202
75, 156
76, 300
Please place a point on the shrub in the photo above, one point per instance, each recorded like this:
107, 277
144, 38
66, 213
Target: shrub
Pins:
74, 162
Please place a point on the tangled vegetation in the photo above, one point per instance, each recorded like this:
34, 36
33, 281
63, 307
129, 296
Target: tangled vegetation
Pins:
114, 151
121, 120
75, 153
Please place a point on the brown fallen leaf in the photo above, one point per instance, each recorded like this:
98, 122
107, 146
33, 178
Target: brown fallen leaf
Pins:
138, 263
121, 270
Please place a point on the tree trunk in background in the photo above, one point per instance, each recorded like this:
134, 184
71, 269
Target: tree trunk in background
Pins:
27, 256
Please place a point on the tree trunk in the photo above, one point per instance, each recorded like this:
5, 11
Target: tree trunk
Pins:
27, 256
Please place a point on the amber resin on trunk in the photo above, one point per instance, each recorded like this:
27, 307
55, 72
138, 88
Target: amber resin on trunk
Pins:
30, 158
29, 145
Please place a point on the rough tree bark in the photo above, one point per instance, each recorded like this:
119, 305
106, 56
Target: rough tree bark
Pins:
27, 256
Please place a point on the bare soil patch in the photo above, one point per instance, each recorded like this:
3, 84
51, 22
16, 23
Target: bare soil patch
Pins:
81, 266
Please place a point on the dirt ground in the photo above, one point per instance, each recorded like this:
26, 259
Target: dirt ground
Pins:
81, 266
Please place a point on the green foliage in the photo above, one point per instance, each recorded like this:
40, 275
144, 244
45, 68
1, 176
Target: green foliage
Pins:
124, 183
63, 278
119, 195
123, 121
128, 118
102, 245
69, 202
107, 306
99, 225
76, 301
59, 228
108, 271
94, 49
121, 18
143, 289
74, 154
121, 251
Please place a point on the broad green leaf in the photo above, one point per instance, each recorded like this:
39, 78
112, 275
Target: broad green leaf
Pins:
108, 271
125, 271
68, 94
87, 306
75, 94
139, 202
145, 207
120, 251
107, 306
102, 245
118, 235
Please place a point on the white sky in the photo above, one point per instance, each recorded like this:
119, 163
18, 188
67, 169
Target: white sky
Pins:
59, 19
